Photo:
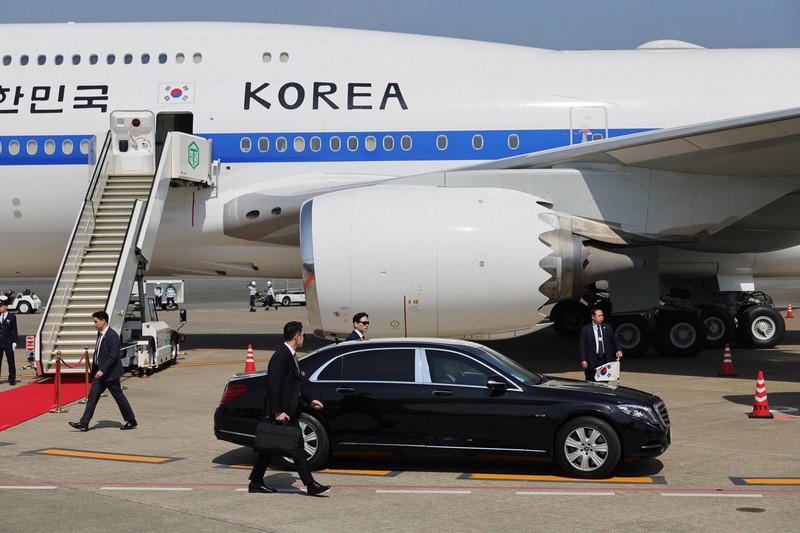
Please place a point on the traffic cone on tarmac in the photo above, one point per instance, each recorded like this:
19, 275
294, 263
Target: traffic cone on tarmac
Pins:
760, 403
789, 311
727, 363
250, 364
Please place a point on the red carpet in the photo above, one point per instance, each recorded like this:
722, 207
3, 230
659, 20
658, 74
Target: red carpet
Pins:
22, 403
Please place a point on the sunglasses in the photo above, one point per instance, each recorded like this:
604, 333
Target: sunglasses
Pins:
365, 323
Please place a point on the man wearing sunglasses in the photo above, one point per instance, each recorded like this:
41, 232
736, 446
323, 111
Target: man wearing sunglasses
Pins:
360, 327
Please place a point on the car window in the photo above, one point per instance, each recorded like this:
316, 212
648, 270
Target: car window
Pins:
392, 364
452, 367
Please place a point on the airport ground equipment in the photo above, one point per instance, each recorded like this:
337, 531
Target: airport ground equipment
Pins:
22, 302
112, 243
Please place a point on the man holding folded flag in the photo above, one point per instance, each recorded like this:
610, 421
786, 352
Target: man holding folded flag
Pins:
598, 345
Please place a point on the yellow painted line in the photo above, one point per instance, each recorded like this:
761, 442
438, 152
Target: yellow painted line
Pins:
357, 472
105, 456
770, 481
518, 477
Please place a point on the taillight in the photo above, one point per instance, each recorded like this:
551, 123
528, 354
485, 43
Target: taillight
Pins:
232, 391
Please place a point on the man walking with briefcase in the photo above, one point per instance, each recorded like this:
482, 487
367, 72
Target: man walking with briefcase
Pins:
284, 391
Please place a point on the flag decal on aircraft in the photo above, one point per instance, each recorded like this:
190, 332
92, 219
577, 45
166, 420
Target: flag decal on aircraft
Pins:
177, 93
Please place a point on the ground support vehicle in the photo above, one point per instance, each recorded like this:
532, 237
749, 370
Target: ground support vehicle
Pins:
289, 298
22, 302
438, 397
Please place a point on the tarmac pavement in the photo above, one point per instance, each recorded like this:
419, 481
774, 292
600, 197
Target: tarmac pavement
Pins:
723, 472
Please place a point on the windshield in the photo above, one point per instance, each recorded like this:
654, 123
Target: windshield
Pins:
514, 369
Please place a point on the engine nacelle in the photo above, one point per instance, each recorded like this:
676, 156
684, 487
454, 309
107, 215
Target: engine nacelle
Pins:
432, 261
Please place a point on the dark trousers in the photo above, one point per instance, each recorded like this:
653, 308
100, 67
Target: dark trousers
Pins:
99, 387
265, 458
12, 366
590, 371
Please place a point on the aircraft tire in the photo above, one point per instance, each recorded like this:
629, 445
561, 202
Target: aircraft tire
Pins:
634, 332
569, 317
719, 326
761, 327
679, 333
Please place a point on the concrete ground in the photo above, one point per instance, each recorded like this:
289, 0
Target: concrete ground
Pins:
723, 472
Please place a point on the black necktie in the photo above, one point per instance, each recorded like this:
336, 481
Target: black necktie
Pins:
600, 350
97, 347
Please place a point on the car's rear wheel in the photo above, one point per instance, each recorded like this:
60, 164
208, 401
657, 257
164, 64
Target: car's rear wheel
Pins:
587, 447
315, 442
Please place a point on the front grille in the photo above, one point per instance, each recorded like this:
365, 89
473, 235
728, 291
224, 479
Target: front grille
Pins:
661, 409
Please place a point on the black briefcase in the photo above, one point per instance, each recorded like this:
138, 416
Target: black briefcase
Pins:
277, 438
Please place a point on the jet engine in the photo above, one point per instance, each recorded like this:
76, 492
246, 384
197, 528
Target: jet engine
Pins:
473, 263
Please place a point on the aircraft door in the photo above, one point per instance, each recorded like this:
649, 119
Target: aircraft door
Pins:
587, 124
167, 122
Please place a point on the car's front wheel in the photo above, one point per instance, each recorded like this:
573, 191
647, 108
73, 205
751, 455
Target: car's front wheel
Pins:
587, 447
315, 444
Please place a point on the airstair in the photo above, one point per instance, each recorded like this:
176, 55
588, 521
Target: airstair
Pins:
114, 235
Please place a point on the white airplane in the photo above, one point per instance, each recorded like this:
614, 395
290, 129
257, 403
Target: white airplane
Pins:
448, 187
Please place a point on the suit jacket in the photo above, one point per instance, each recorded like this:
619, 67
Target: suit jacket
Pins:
588, 345
284, 384
107, 356
354, 336
8, 331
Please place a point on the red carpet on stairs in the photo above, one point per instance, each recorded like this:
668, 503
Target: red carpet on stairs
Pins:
22, 403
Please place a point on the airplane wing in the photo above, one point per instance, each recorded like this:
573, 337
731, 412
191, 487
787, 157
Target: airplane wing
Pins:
761, 145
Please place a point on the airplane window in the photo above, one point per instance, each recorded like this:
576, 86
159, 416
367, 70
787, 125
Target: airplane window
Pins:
1, 147
281, 144
388, 143
284, 57
59, 59
33, 147
299, 144
13, 147
162, 58
110, 59
66, 147
352, 143
263, 144
597, 136
6, 60
23, 60
316, 144
477, 142
50, 147
513, 141
145, 59
93, 59
245, 144
441, 142
76, 59
336, 144
41, 60
197, 57
266, 57
180, 58
128, 59
370, 143
84, 146
405, 142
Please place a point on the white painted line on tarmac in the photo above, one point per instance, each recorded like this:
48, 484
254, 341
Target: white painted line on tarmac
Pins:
561, 493
426, 491
711, 495
162, 489
28, 487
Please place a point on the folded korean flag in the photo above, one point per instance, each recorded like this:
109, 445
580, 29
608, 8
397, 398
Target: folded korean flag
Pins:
607, 372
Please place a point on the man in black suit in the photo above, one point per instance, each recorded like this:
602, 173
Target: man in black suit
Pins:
597, 344
107, 369
8, 340
284, 390
360, 327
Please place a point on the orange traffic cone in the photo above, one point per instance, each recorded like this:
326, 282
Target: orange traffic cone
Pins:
727, 363
789, 311
760, 403
250, 364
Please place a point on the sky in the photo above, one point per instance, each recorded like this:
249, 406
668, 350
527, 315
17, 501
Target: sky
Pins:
557, 24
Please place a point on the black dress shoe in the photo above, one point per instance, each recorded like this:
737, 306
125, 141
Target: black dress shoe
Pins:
315, 489
255, 486
130, 424
79, 426
12, 383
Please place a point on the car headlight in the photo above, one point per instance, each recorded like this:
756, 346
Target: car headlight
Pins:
640, 413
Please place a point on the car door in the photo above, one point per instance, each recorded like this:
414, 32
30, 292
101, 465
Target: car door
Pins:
373, 398
463, 412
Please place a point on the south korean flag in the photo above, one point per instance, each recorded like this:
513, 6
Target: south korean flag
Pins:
607, 372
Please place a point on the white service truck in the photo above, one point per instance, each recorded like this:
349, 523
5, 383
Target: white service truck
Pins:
292, 292
146, 342
22, 302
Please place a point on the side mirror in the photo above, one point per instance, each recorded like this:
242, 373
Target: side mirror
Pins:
182, 313
497, 383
